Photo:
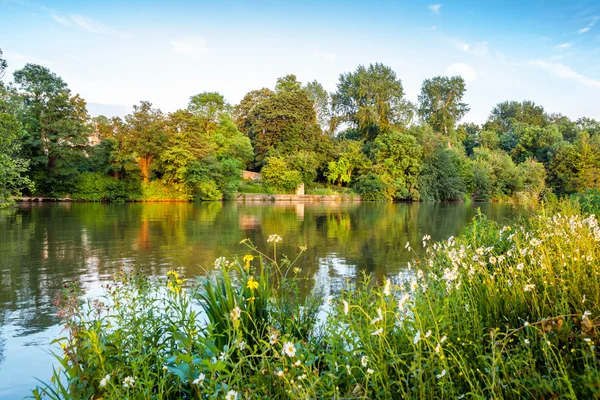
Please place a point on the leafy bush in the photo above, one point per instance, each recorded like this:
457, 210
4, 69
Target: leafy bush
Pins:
589, 201
371, 188
95, 186
159, 191
277, 172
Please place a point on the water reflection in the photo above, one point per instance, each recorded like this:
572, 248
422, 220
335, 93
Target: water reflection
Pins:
43, 245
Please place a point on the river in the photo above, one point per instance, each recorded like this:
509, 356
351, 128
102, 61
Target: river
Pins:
42, 245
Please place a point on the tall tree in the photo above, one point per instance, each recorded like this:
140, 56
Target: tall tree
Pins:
288, 83
56, 129
505, 114
243, 110
3, 65
440, 102
13, 168
146, 136
208, 106
283, 123
371, 99
322, 104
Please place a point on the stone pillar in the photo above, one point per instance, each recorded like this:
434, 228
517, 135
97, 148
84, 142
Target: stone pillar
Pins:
300, 190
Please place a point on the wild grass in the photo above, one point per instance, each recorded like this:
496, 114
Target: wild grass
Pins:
500, 312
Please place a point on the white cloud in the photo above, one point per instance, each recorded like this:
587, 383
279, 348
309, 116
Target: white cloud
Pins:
479, 49
565, 72
462, 69
327, 56
192, 46
61, 20
435, 8
23, 58
83, 22
565, 45
89, 24
590, 25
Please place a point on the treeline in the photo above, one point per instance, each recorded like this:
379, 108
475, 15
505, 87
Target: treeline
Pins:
365, 137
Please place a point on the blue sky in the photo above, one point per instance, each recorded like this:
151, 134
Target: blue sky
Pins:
115, 54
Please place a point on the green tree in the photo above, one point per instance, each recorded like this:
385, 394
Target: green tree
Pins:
209, 106
288, 83
533, 176
444, 176
278, 173
146, 135
440, 102
397, 161
283, 124
505, 114
371, 99
56, 129
322, 105
13, 168
243, 110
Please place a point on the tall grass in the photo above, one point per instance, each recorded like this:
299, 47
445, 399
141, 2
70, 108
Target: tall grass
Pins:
500, 312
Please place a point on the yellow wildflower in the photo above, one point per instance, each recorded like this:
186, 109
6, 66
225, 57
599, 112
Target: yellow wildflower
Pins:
247, 259
252, 284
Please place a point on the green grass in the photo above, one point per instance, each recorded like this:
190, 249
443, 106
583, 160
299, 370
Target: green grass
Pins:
501, 312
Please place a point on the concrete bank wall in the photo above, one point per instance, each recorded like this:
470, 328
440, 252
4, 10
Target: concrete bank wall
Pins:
297, 197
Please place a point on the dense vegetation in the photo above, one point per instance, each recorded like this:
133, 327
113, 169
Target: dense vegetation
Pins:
500, 312
365, 137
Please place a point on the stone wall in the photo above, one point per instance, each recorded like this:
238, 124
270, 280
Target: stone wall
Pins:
296, 197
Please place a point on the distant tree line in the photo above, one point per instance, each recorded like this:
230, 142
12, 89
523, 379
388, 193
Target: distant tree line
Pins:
366, 137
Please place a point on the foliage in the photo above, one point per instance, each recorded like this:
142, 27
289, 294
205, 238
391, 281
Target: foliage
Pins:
444, 176
490, 314
362, 136
13, 168
440, 102
95, 186
55, 128
372, 100
159, 191
278, 173
397, 161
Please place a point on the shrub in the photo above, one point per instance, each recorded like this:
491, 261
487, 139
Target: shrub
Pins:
277, 172
159, 191
95, 186
371, 188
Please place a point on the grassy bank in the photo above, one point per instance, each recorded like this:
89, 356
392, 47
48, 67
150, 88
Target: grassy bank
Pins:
500, 312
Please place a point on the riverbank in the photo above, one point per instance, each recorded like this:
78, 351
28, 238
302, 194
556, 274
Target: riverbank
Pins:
249, 197
490, 314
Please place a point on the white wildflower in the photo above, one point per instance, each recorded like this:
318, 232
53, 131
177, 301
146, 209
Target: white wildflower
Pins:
529, 287
128, 382
364, 360
289, 349
105, 380
370, 371
274, 238
346, 307
403, 301
387, 289
235, 313
199, 380
231, 395
417, 337
440, 376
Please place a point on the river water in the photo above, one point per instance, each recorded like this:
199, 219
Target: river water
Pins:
43, 245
